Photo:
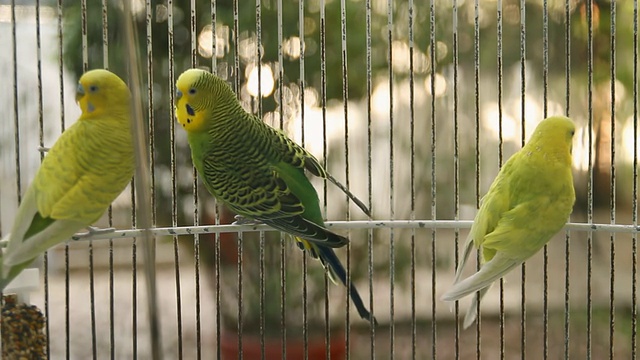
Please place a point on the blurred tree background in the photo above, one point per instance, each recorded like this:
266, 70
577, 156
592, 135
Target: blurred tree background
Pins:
357, 39
433, 74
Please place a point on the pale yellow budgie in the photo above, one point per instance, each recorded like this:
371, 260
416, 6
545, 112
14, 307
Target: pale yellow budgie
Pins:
85, 170
529, 201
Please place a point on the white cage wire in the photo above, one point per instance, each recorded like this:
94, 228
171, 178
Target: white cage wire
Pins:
413, 105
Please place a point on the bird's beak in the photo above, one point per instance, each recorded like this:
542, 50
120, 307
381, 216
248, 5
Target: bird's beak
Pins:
79, 92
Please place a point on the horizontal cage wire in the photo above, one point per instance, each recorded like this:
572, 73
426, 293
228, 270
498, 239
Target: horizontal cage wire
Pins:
414, 107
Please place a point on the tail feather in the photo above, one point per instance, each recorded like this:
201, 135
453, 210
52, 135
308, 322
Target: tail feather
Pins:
303, 228
472, 312
8, 273
330, 261
468, 246
488, 273
351, 196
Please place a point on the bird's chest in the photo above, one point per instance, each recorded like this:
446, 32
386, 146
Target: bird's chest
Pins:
227, 162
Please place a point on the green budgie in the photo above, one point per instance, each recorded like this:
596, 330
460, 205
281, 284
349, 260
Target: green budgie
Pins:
529, 201
256, 170
85, 170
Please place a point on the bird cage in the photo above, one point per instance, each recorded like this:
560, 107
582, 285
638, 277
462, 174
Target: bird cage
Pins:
412, 106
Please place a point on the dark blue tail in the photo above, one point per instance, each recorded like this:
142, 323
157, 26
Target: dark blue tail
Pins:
330, 260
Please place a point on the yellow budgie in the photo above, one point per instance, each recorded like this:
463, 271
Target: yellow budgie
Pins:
529, 201
85, 170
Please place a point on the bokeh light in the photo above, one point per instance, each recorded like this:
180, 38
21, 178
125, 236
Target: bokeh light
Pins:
267, 81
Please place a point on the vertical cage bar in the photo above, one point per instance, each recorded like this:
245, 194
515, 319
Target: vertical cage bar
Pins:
236, 55
173, 169
634, 201
283, 296
192, 34
259, 56
567, 251
92, 295
301, 34
589, 11
500, 153
567, 288
41, 145
392, 258
196, 215
240, 294
216, 266
476, 77
16, 108
262, 291
432, 85
323, 104
545, 85
262, 236
523, 71
214, 46
134, 277
412, 174
66, 303
85, 46
345, 101
62, 128
456, 167
217, 208
372, 330
236, 89
612, 183
150, 108
283, 245
39, 77
545, 250
85, 68
105, 63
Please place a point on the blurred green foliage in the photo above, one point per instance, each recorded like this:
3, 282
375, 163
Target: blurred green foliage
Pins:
433, 46
356, 38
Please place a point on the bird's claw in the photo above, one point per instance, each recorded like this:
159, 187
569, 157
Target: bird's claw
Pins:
91, 230
43, 149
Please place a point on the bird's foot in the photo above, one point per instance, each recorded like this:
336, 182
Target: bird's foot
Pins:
91, 230
43, 149
241, 220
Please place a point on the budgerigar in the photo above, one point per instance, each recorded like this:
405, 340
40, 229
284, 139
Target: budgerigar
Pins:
83, 172
256, 170
529, 201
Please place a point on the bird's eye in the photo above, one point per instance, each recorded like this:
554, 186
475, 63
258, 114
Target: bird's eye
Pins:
192, 91
93, 88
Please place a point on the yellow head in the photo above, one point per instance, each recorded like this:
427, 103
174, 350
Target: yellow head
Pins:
201, 96
555, 134
101, 91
